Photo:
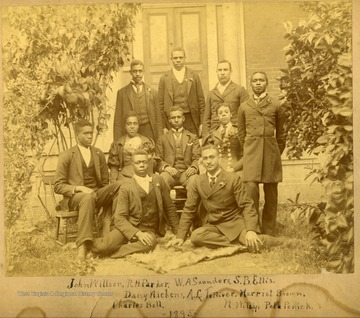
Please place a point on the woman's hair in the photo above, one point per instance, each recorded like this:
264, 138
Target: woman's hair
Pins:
130, 114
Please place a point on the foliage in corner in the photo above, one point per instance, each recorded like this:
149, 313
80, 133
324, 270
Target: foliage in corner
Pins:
317, 94
58, 62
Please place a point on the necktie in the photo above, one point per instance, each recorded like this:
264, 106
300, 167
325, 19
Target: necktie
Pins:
138, 87
177, 133
212, 182
223, 132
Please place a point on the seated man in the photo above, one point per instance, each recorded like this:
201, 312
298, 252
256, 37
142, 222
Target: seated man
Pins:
142, 206
230, 217
82, 177
179, 151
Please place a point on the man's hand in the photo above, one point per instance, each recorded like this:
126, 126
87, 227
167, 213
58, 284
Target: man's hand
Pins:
145, 238
173, 172
190, 171
83, 189
175, 242
252, 241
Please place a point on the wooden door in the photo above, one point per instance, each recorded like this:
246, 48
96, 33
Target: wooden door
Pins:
169, 27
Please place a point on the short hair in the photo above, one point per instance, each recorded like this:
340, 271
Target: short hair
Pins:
131, 114
176, 109
82, 123
139, 152
178, 49
136, 62
210, 146
224, 61
259, 72
223, 105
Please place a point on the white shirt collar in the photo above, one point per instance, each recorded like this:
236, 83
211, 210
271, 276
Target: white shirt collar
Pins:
143, 182
215, 175
86, 154
179, 75
221, 88
259, 98
180, 130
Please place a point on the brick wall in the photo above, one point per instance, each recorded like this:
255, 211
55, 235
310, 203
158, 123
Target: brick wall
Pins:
264, 37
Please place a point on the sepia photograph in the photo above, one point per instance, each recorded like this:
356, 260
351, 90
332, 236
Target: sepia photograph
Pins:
179, 159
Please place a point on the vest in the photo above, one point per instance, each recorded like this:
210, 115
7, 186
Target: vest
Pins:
179, 90
150, 213
179, 154
140, 106
89, 174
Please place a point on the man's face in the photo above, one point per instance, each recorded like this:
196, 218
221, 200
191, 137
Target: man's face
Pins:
223, 72
211, 160
176, 119
258, 83
224, 115
178, 59
85, 136
137, 73
132, 126
140, 164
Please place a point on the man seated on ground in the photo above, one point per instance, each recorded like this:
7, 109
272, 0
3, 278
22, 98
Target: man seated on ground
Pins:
229, 214
82, 177
179, 151
143, 203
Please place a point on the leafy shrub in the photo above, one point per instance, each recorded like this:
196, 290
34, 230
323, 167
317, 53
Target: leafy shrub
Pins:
317, 94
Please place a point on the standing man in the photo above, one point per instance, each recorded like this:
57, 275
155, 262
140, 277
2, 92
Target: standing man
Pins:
262, 136
179, 151
142, 99
143, 205
182, 87
82, 177
229, 214
225, 91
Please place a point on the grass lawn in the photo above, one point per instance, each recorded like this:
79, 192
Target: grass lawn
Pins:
32, 251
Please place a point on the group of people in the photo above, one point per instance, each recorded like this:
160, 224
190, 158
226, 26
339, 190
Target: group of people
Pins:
219, 151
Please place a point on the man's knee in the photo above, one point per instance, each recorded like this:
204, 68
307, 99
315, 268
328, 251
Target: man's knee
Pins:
197, 236
169, 180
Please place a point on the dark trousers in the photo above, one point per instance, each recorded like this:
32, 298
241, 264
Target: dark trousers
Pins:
116, 244
190, 125
210, 236
86, 204
268, 219
146, 130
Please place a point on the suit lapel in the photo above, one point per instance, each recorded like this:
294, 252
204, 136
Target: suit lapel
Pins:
251, 102
135, 191
156, 187
228, 89
188, 79
96, 162
220, 182
205, 186
77, 156
217, 93
129, 93
185, 140
169, 85
171, 139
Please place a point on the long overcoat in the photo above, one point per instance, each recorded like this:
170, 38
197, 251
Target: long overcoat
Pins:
263, 138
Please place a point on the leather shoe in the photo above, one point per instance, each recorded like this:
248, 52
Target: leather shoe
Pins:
270, 241
81, 251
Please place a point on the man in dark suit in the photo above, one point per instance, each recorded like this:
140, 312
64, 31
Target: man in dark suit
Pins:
143, 205
82, 177
263, 138
182, 87
179, 151
225, 91
142, 99
229, 216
